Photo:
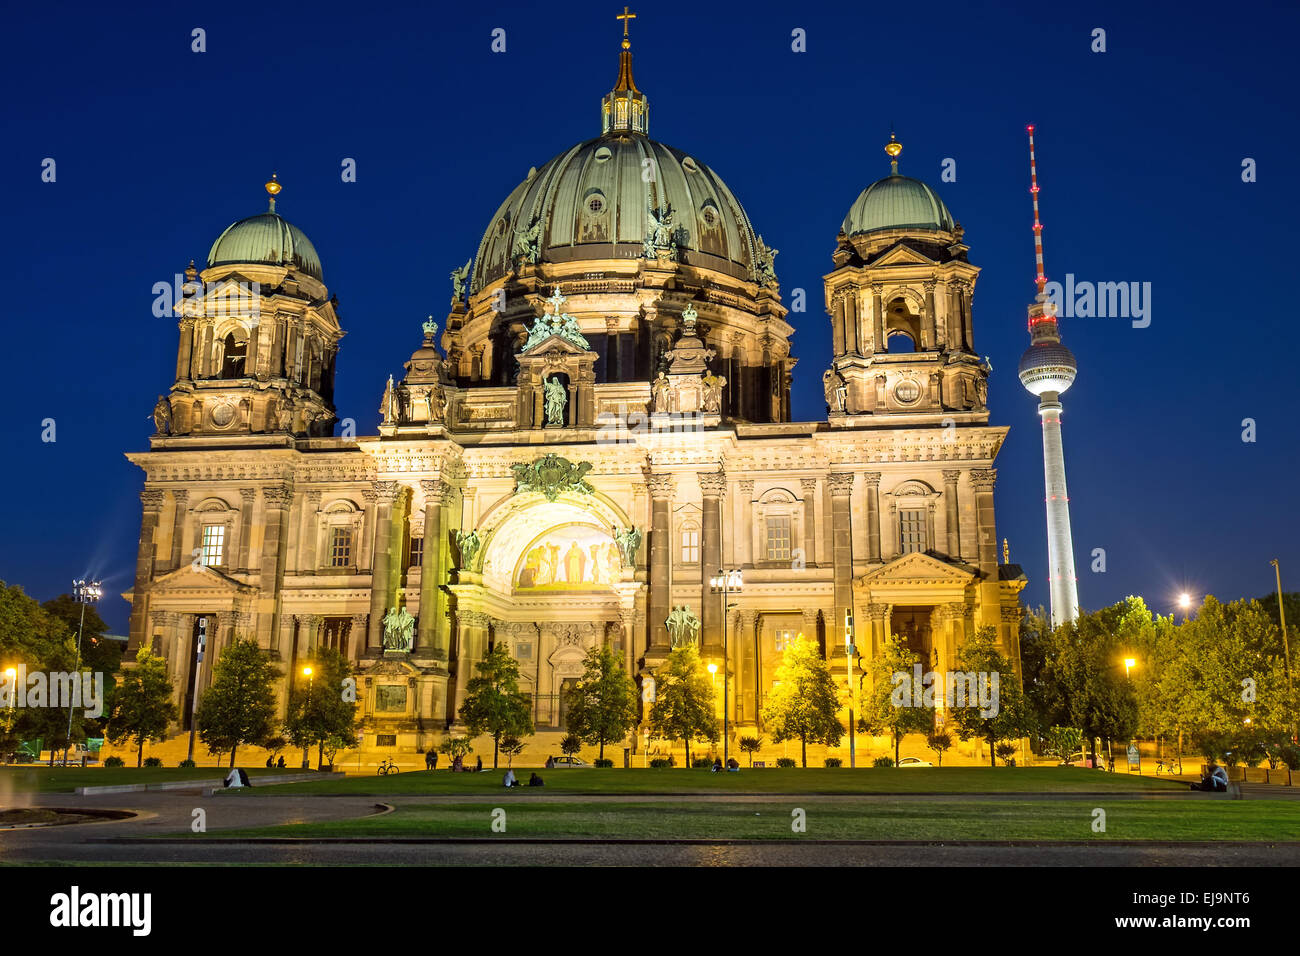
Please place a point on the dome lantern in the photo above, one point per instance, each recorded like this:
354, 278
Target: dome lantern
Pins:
625, 109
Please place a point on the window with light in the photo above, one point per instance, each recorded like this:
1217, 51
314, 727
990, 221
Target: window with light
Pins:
214, 545
911, 531
778, 538
340, 547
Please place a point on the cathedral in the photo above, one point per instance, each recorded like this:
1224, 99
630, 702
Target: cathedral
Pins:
596, 432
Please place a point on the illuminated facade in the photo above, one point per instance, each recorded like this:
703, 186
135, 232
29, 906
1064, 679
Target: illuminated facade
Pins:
602, 424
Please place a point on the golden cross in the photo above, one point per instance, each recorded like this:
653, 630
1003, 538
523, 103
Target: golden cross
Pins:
625, 16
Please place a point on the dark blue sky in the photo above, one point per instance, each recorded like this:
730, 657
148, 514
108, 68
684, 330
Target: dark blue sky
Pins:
1140, 148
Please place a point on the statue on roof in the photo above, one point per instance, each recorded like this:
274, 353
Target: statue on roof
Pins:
765, 265
556, 397
458, 277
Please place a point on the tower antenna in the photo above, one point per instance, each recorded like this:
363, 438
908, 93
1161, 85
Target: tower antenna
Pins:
1041, 278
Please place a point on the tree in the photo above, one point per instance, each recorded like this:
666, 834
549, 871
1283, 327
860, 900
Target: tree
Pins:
493, 704
1062, 742
939, 741
512, 747
143, 707
318, 710
455, 747
684, 707
751, 746
891, 708
1007, 751
570, 744
239, 706
1004, 715
603, 703
804, 703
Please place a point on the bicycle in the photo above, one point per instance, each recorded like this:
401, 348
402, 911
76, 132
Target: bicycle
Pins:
388, 767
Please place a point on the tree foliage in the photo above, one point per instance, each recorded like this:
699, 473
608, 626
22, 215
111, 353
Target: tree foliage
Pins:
143, 707
603, 703
239, 706
1008, 716
886, 711
318, 710
685, 706
804, 702
493, 704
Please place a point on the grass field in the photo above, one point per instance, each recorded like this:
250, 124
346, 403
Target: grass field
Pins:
818, 780
67, 779
835, 820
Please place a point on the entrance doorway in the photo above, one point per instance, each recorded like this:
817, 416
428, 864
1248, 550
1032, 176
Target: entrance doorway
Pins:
912, 626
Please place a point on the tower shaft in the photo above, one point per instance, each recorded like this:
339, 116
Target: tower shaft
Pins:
1060, 544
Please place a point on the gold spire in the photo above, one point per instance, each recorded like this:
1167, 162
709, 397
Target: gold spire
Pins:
273, 188
624, 108
1006, 552
893, 148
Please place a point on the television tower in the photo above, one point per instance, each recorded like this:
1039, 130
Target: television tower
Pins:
1047, 369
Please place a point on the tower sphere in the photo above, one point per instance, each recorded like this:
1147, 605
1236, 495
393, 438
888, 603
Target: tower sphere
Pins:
1047, 367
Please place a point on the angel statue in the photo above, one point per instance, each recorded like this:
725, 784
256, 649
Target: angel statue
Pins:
162, 416
458, 277
628, 540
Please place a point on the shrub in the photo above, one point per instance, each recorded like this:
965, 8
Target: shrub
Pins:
114, 761
186, 763
834, 762
883, 762
1005, 750
786, 762
702, 763
604, 762
661, 762
153, 761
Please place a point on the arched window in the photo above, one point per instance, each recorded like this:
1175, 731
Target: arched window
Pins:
235, 352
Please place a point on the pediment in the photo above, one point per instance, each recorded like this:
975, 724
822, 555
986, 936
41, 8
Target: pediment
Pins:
553, 345
389, 667
192, 579
902, 255
919, 568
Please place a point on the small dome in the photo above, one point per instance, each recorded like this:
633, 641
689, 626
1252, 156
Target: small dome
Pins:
266, 238
1047, 367
593, 201
897, 202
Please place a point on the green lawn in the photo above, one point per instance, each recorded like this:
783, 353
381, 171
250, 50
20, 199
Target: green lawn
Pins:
1156, 820
819, 780
67, 779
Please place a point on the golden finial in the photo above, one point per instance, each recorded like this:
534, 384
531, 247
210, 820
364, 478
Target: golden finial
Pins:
625, 17
893, 148
273, 187
1006, 552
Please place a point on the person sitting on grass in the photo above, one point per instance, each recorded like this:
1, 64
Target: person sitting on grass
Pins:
535, 781
509, 779
733, 765
717, 765
1214, 780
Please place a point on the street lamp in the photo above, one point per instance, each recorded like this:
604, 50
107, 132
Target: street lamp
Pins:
727, 581
1129, 664
1281, 612
306, 757
84, 592
12, 675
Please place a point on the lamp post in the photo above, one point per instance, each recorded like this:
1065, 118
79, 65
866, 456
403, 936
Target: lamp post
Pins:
84, 592
1129, 664
727, 581
12, 675
306, 757
199, 643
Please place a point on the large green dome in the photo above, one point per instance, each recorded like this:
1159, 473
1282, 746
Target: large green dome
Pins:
593, 201
266, 238
897, 202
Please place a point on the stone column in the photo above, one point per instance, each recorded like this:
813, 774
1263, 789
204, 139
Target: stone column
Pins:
472, 637
841, 545
951, 511
838, 346
313, 622
356, 637
254, 335
967, 291
181, 498
750, 677
661, 548
712, 485
982, 481
879, 342
275, 513
310, 531
385, 494
811, 516
431, 636
927, 320
876, 630
744, 524
809, 615
365, 553
151, 501
872, 481
247, 498
185, 352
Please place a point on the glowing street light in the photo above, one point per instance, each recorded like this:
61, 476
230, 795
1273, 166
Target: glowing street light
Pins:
12, 676
726, 581
1129, 664
84, 592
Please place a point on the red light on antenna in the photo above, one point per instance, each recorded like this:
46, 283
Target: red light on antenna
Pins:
1030, 127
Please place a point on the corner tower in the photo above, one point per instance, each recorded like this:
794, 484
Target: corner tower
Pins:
900, 307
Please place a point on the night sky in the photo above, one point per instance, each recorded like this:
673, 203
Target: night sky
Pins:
1140, 162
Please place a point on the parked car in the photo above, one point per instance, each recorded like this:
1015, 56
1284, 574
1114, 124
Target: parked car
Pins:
1080, 759
914, 762
569, 763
